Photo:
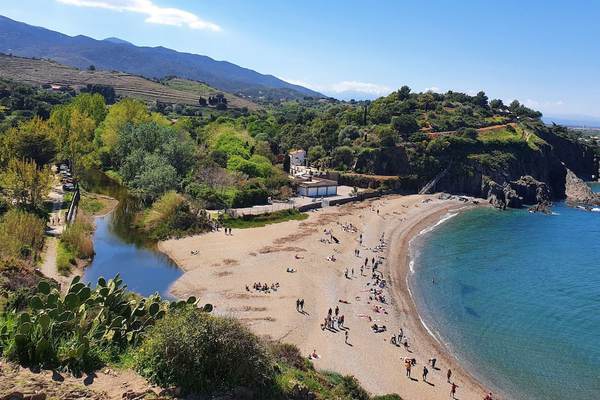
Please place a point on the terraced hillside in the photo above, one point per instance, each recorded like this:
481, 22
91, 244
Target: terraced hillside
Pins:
201, 89
40, 72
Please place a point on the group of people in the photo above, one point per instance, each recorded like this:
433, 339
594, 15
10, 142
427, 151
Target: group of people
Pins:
331, 320
228, 231
55, 219
264, 287
348, 227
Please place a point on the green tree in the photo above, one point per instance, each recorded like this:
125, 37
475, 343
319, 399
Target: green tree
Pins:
405, 125
127, 111
30, 140
481, 100
343, 157
316, 153
25, 183
403, 93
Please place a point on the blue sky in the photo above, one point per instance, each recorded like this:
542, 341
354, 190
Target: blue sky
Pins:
544, 53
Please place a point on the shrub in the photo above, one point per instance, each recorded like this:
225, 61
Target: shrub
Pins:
163, 209
201, 353
77, 237
250, 195
289, 354
64, 259
80, 328
21, 235
172, 216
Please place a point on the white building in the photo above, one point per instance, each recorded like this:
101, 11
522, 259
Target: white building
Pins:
297, 158
317, 187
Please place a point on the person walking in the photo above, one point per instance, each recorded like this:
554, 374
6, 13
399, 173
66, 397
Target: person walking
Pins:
425, 372
408, 366
297, 304
346, 337
302, 305
453, 390
449, 375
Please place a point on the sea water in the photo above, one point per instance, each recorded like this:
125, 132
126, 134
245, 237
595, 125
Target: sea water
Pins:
516, 297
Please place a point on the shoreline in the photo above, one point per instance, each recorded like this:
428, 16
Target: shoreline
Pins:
218, 277
400, 276
445, 347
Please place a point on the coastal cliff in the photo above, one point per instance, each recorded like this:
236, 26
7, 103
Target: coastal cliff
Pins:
514, 174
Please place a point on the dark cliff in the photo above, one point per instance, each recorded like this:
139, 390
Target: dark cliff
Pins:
500, 168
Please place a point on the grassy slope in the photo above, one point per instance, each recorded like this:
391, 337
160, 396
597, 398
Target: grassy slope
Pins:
39, 72
202, 89
504, 135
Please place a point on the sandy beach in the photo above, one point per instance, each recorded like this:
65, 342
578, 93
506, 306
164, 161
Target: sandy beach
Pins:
221, 266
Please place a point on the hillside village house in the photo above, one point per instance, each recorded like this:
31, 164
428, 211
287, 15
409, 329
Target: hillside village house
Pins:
297, 158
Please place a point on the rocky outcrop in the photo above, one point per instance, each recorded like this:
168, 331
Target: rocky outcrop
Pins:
543, 207
531, 191
516, 194
578, 192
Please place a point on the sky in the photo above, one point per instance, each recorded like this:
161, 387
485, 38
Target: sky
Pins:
544, 53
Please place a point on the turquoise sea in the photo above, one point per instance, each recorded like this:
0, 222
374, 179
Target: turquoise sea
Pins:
517, 298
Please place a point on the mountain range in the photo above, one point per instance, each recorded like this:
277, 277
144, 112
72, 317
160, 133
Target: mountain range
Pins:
20, 39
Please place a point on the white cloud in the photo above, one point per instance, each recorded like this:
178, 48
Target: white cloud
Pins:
345, 87
154, 14
543, 104
434, 89
360, 87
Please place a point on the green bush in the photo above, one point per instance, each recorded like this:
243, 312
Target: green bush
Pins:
172, 216
81, 328
77, 237
201, 353
65, 259
250, 195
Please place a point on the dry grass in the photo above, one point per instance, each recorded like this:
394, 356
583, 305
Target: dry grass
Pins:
39, 72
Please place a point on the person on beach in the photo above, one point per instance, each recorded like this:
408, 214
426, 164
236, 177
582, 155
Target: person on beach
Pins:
449, 375
488, 396
302, 305
453, 390
337, 311
346, 337
408, 366
432, 361
425, 372
297, 304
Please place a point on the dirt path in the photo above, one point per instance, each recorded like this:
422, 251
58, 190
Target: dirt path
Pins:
56, 225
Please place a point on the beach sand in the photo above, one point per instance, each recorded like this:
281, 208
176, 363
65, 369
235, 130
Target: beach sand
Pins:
224, 265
